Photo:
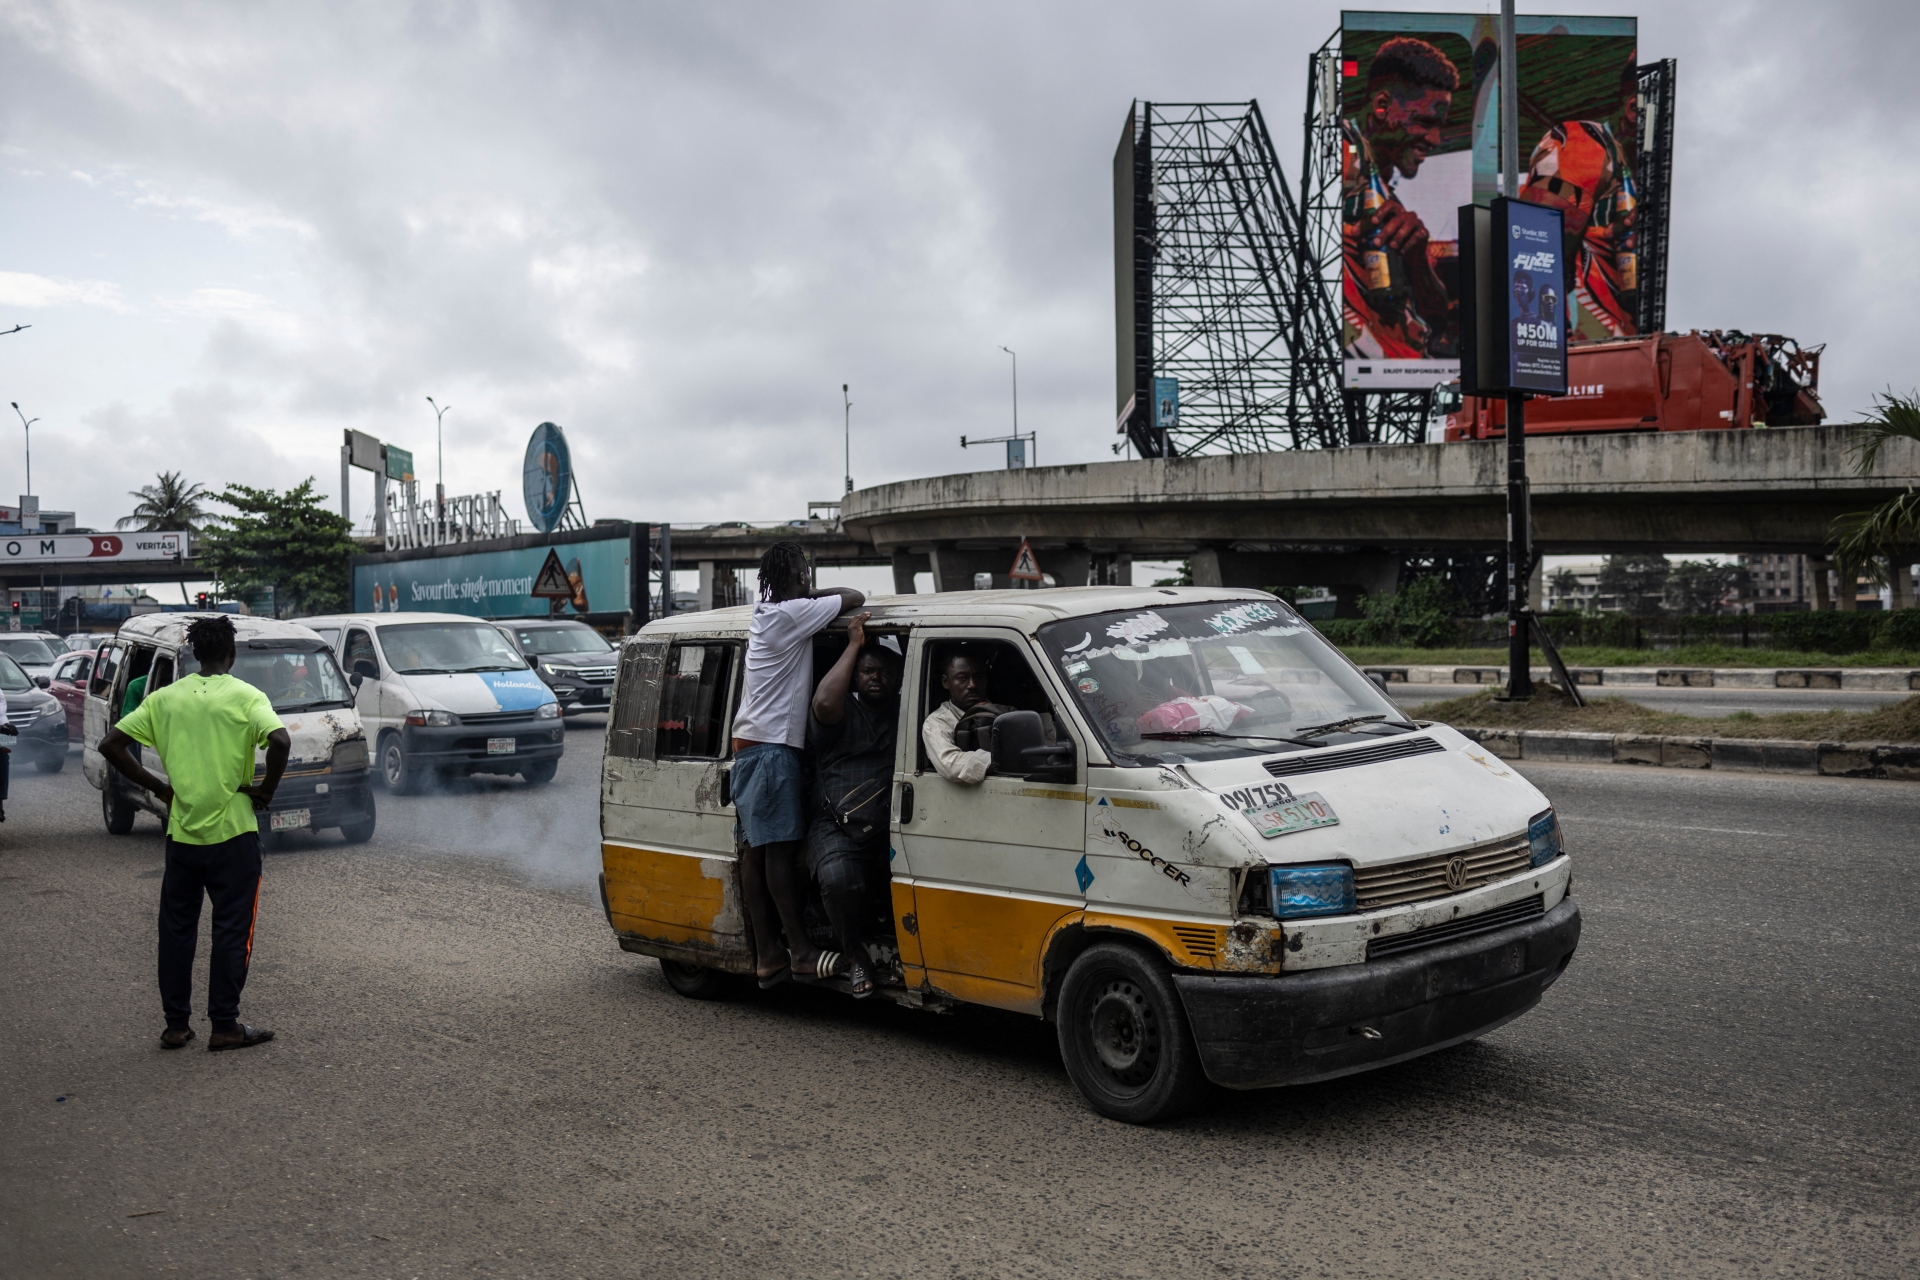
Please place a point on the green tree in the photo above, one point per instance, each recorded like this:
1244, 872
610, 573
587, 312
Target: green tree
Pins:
1700, 586
168, 504
1566, 584
284, 541
1635, 582
1891, 529
1420, 614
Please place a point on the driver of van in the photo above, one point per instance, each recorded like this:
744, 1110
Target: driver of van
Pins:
852, 730
955, 734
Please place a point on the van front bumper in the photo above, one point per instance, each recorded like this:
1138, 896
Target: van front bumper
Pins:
465, 746
1295, 1028
348, 798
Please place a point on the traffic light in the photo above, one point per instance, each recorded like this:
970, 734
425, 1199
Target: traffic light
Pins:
203, 601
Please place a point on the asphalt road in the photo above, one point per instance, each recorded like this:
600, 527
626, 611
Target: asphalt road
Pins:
470, 1079
1691, 702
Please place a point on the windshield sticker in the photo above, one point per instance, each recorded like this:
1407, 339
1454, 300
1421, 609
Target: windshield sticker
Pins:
1303, 813
1087, 684
1158, 649
1137, 628
1085, 640
1075, 668
1240, 617
515, 691
1279, 631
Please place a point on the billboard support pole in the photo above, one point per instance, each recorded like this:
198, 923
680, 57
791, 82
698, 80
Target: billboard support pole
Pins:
1519, 513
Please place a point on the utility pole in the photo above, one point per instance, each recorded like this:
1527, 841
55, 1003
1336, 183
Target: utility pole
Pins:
1519, 504
26, 424
439, 464
1016, 408
848, 426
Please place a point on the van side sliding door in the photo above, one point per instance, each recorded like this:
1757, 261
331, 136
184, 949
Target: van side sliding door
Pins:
666, 821
102, 684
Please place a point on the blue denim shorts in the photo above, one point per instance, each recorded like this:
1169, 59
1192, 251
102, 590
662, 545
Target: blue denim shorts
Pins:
769, 799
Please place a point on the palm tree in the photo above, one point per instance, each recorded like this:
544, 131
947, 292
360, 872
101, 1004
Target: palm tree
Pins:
170, 504
1891, 529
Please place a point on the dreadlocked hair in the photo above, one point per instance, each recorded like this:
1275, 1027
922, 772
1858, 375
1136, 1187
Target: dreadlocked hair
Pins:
784, 572
212, 638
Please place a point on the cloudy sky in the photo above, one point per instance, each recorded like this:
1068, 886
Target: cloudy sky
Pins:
677, 229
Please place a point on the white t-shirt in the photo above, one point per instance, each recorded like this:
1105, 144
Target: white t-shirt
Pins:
773, 705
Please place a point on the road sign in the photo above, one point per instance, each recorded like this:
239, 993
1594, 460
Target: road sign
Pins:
552, 583
399, 463
1025, 567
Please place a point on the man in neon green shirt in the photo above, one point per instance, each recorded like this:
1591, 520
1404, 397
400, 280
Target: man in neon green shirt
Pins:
206, 728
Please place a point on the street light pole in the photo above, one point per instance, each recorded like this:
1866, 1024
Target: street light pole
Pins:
1016, 406
1519, 503
26, 425
439, 463
848, 427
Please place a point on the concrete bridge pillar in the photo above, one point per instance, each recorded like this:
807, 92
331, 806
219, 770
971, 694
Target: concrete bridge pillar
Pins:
906, 564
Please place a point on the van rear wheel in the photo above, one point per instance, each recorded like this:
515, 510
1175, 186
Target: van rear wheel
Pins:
696, 982
116, 810
1124, 1037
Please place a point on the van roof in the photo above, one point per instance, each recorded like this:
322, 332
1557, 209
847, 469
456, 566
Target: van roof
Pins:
171, 628
386, 619
1024, 611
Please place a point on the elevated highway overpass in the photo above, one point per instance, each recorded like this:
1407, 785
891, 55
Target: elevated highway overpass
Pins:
1345, 518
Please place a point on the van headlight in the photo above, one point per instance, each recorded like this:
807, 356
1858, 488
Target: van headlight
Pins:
433, 719
350, 756
547, 711
1325, 890
1543, 835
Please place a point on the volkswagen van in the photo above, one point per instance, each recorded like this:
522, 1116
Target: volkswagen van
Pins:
326, 783
1208, 849
442, 693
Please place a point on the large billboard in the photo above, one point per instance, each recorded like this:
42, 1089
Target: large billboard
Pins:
497, 581
1419, 138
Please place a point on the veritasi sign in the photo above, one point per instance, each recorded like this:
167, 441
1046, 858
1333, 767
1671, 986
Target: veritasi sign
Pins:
45, 548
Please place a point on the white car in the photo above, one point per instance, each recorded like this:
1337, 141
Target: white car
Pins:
445, 693
35, 651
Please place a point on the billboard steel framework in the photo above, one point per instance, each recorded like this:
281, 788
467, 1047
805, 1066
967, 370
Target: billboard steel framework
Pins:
1214, 288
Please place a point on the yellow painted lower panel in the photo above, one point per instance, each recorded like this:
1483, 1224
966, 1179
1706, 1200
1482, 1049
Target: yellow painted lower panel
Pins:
908, 942
671, 896
998, 995
985, 935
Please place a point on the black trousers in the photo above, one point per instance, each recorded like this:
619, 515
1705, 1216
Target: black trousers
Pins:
228, 873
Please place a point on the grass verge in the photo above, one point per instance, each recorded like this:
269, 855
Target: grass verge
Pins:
1551, 709
1704, 655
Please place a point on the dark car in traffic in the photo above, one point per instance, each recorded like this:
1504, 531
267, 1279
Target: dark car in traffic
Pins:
574, 660
39, 717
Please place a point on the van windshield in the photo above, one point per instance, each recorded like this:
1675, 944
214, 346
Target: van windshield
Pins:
305, 678
1196, 682
447, 648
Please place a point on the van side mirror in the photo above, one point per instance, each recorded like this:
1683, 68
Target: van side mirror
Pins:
365, 669
1020, 748
533, 661
356, 680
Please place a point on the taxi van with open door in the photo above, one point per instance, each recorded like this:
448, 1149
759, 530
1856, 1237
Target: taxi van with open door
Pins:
1208, 848
327, 781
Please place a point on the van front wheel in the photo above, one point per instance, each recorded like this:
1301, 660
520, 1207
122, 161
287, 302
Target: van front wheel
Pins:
399, 773
1124, 1037
116, 810
695, 982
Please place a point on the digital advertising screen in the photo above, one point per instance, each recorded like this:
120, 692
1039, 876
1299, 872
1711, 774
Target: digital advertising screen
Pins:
1419, 138
1532, 279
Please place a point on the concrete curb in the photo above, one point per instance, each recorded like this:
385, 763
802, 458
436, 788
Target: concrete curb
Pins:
1891, 760
1882, 679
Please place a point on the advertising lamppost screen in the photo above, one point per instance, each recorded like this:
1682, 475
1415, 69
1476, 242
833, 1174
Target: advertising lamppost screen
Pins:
1533, 276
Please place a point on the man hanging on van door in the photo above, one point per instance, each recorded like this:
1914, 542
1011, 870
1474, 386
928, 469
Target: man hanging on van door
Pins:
769, 731
856, 719
206, 728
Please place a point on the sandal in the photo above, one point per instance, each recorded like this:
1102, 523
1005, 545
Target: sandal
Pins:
859, 981
826, 964
774, 979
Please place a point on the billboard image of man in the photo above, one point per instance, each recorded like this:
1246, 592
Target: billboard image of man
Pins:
1395, 304
1582, 168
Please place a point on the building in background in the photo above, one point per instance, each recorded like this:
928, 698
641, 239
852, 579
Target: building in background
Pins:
1573, 587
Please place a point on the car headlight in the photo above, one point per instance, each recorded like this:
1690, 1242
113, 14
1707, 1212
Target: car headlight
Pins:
1325, 890
555, 669
547, 711
435, 719
350, 756
1543, 834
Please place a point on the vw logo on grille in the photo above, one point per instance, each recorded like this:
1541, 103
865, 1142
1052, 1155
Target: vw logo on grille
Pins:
1456, 873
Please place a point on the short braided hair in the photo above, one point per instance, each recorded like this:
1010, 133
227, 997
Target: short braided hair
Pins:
212, 637
784, 572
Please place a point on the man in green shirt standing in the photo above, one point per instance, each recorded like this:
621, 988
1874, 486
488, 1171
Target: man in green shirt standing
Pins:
206, 728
